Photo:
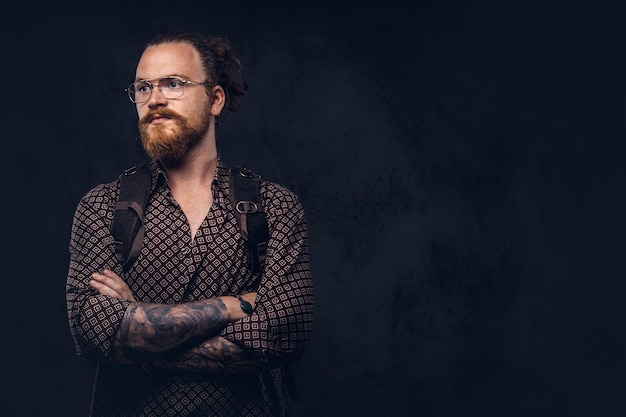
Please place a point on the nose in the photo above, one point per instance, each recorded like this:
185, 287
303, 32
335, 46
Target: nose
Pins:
156, 98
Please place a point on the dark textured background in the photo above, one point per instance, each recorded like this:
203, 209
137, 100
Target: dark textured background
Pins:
461, 167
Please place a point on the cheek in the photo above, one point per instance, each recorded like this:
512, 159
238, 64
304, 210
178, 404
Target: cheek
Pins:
201, 101
142, 111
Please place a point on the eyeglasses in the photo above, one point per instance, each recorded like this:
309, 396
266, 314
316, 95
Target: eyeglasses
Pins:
170, 87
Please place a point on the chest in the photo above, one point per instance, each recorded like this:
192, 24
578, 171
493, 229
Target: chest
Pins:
176, 266
195, 208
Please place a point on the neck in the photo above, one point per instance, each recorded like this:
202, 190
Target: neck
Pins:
199, 164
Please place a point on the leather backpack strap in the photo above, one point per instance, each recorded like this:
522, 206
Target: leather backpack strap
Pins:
127, 227
246, 201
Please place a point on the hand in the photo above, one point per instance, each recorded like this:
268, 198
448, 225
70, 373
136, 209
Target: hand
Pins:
109, 283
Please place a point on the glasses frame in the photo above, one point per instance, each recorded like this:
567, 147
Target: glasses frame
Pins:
156, 82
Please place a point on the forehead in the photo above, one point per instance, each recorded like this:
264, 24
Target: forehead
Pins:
170, 59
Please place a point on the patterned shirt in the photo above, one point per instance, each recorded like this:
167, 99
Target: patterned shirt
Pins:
174, 268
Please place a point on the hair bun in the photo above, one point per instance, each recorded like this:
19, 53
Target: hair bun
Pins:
229, 70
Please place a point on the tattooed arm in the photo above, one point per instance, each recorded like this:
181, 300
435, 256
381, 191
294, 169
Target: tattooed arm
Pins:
163, 332
215, 355
150, 330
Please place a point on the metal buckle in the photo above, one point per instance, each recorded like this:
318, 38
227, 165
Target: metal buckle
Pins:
244, 207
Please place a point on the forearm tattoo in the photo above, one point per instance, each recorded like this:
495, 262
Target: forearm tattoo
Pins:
216, 355
149, 330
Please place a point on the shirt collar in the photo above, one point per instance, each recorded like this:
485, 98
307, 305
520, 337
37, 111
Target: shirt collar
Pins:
219, 186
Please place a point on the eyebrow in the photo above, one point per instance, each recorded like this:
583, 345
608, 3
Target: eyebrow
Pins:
184, 77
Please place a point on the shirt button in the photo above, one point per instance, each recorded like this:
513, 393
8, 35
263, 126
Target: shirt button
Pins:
184, 251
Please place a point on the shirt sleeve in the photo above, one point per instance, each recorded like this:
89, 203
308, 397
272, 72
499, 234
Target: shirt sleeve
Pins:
93, 318
280, 327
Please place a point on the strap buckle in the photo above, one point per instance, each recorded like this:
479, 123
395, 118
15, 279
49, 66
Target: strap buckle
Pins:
247, 207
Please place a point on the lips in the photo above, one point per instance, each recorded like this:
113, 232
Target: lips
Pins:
157, 119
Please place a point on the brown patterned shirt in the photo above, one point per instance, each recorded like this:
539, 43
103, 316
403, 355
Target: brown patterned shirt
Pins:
174, 268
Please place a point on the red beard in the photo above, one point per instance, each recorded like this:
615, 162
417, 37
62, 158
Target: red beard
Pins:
170, 142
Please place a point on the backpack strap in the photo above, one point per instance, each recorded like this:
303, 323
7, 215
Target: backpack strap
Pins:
128, 230
127, 226
248, 209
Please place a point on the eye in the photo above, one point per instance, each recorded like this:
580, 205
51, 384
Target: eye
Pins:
142, 88
172, 83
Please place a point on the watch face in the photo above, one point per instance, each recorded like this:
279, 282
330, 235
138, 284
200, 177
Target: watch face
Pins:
245, 306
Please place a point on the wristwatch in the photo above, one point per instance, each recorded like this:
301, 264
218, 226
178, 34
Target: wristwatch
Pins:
245, 306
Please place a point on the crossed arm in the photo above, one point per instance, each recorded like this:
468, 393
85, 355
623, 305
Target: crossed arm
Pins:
212, 335
160, 335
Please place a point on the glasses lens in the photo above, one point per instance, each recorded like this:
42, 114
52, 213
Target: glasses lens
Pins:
139, 91
172, 87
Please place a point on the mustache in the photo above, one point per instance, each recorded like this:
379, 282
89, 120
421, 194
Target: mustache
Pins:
170, 114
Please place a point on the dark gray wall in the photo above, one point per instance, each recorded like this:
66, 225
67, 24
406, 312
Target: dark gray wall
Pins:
461, 167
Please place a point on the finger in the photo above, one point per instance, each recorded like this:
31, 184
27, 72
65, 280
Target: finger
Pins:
103, 289
115, 283
117, 287
111, 274
107, 273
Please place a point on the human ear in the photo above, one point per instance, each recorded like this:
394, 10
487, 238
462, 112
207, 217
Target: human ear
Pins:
218, 99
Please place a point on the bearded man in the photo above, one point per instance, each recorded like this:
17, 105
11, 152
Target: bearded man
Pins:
189, 329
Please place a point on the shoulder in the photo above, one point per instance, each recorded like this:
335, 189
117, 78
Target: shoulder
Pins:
101, 198
274, 196
108, 193
278, 199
